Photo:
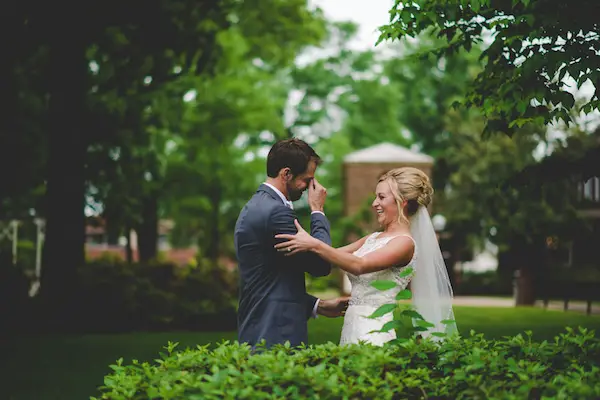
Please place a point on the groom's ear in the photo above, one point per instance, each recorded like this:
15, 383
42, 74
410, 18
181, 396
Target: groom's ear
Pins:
286, 174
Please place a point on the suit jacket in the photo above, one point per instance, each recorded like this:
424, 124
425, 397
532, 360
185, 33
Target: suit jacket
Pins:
273, 303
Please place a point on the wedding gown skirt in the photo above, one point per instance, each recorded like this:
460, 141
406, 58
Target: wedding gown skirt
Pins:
365, 299
357, 327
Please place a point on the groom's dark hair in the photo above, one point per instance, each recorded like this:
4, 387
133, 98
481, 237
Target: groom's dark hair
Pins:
294, 154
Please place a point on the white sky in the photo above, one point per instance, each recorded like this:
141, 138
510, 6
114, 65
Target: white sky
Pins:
369, 14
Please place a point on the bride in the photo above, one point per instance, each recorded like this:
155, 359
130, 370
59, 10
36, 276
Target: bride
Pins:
407, 240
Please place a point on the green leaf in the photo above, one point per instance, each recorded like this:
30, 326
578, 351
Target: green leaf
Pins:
425, 324
398, 341
404, 295
411, 314
522, 106
419, 329
383, 285
406, 272
388, 326
448, 321
383, 310
438, 334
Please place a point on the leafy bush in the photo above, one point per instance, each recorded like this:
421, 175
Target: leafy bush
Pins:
575, 274
579, 283
467, 367
14, 298
407, 368
119, 297
324, 283
487, 283
159, 296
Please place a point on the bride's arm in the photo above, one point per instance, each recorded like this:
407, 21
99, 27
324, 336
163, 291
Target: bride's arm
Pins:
398, 252
352, 247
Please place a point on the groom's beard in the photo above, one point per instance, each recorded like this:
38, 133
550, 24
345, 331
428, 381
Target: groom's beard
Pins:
294, 194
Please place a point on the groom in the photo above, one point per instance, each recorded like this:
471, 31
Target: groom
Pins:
273, 304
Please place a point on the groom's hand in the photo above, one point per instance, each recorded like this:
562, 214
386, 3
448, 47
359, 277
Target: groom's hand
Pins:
333, 308
316, 195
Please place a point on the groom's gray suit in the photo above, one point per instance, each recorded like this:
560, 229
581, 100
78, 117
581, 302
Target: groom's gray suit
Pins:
274, 305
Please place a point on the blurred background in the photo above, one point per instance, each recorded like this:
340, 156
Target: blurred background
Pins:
130, 141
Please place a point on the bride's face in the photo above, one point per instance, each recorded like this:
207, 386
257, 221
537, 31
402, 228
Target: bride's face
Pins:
384, 204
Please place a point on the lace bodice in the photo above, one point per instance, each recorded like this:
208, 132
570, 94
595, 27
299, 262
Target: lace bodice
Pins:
362, 292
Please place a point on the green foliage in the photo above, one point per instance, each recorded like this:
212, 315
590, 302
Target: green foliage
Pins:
327, 283
570, 283
535, 46
346, 101
468, 367
14, 297
428, 87
119, 297
489, 195
488, 283
207, 174
156, 296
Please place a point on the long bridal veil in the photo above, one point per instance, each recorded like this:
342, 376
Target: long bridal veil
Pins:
431, 289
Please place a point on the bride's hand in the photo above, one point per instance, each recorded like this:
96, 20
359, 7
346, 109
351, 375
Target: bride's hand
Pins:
297, 243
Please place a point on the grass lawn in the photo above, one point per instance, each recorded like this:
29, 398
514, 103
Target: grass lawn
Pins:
71, 367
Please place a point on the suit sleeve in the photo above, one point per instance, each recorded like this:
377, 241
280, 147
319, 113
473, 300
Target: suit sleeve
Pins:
310, 305
282, 219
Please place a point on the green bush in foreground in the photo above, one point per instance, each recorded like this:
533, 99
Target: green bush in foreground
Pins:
460, 368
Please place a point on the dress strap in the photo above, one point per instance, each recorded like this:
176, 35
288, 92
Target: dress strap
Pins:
408, 236
395, 236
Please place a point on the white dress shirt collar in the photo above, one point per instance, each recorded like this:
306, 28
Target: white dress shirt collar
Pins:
285, 201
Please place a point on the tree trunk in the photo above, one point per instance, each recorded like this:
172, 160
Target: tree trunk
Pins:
65, 193
215, 232
148, 229
9, 100
128, 246
530, 260
525, 295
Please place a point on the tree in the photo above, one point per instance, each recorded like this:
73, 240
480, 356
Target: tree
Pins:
536, 51
102, 68
536, 45
346, 101
184, 145
428, 87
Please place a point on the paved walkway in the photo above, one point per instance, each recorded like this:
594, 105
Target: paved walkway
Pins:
480, 301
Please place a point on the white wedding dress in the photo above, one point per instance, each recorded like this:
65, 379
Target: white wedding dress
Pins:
365, 299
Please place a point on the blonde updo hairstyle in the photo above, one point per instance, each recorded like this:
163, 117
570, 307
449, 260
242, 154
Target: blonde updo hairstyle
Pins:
411, 185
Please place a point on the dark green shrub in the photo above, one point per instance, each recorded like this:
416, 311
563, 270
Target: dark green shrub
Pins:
15, 304
456, 368
155, 296
325, 283
470, 367
487, 283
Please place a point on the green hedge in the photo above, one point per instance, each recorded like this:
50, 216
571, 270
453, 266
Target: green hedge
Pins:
156, 296
112, 296
323, 284
487, 283
460, 368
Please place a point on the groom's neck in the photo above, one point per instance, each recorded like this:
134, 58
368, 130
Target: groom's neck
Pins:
279, 185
